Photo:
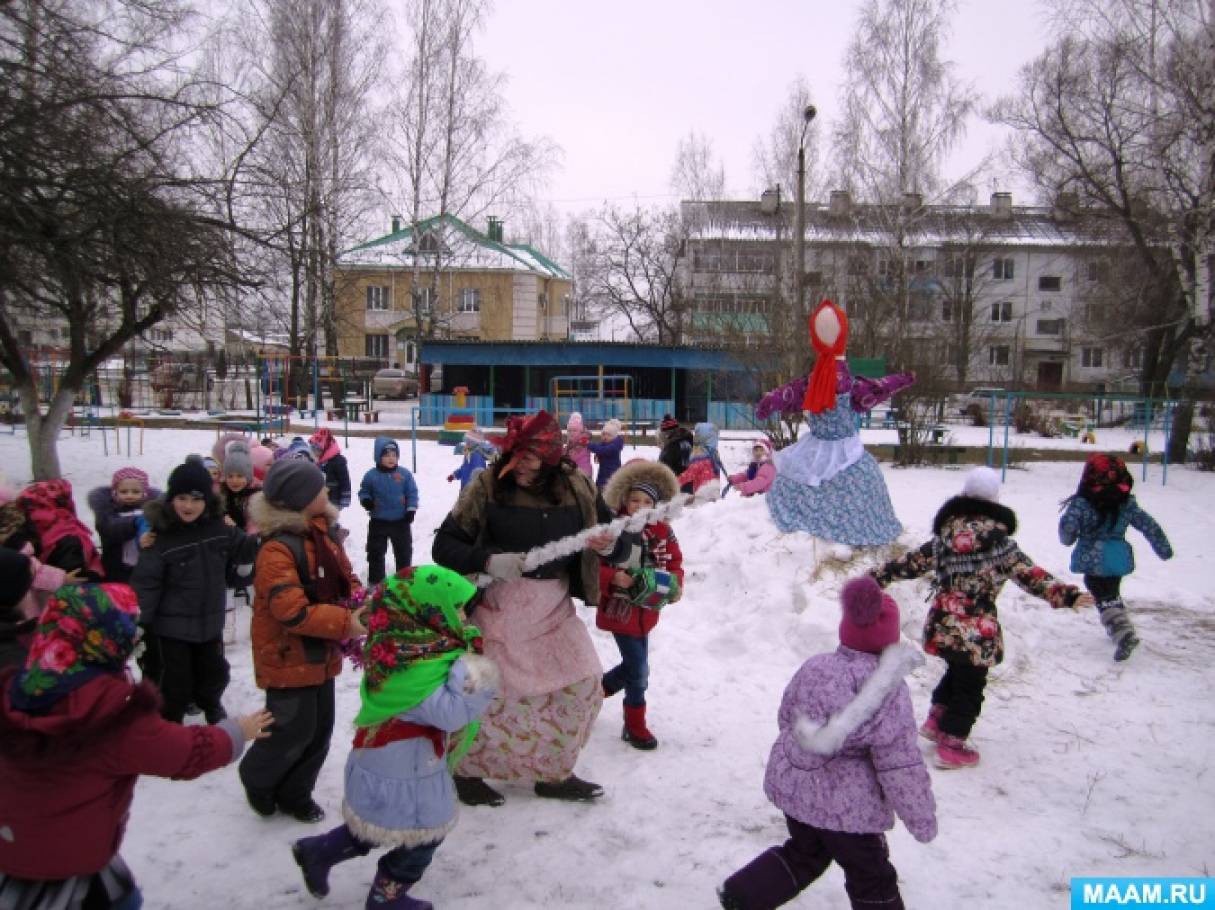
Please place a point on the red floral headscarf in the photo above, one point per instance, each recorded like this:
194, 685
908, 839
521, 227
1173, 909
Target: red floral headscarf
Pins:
539, 434
820, 391
1106, 476
51, 510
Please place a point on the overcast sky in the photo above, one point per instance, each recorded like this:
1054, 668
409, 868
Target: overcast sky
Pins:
617, 84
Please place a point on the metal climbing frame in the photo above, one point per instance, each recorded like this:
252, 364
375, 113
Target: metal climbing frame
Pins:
577, 393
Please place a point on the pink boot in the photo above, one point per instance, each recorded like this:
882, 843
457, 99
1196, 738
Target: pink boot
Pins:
952, 752
932, 726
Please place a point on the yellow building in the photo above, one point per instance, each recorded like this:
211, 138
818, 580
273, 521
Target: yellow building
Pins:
469, 286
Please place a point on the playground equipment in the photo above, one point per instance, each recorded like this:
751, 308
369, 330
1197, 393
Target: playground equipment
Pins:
597, 397
459, 420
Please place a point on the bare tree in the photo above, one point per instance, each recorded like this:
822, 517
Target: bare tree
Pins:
697, 174
1121, 113
107, 219
774, 156
626, 269
314, 172
903, 107
458, 152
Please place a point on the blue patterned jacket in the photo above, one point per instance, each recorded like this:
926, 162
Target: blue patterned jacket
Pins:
1080, 524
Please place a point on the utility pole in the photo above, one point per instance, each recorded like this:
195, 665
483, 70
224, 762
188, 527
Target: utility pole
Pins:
799, 228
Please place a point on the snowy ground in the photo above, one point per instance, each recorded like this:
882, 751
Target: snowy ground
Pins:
1089, 767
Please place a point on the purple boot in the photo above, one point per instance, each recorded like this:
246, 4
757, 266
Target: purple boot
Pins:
317, 855
388, 893
765, 882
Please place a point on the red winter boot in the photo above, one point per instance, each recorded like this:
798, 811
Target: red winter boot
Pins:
953, 752
636, 734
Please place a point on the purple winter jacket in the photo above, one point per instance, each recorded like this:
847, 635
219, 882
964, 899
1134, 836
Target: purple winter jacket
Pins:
846, 758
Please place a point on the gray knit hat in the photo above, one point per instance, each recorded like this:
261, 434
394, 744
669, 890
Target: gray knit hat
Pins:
237, 460
292, 483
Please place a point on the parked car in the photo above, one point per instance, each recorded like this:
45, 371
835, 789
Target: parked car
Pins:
394, 383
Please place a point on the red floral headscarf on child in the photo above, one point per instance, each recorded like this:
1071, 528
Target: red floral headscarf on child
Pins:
820, 391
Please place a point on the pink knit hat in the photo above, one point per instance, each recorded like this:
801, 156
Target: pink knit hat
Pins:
129, 473
574, 424
871, 617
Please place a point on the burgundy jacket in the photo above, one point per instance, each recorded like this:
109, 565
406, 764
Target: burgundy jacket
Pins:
67, 776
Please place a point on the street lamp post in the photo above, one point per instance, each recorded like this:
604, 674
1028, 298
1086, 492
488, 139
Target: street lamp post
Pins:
799, 228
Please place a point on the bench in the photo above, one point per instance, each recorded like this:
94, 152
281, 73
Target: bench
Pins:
370, 416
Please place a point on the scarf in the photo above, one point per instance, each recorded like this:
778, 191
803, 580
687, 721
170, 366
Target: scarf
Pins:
331, 583
415, 632
820, 392
85, 630
52, 513
539, 434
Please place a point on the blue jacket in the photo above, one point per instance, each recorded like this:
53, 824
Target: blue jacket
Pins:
402, 794
470, 464
391, 493
1080, 524
608, 454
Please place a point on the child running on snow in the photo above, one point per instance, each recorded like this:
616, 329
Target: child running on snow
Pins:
845, 762
759, 473
75, 734
635, 589
703, 476
1095, 518
607, 451
389, 494
970, 556
116, 513
424, 679
577, 440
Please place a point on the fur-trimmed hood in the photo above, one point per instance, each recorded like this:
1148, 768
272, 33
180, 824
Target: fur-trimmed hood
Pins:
895, 662
972, 506
654, 473
271, 519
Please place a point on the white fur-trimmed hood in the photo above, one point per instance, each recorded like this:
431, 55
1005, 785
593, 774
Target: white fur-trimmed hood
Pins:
896, 662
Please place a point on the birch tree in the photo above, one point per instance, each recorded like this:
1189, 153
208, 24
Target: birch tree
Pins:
774, 156
698, 174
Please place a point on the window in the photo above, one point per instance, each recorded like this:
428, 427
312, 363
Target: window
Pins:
160, 334
947, 311
919, 309
1002, 269
885, 268
960, 267
376, 346
1092, 357
1133, 358
1094, 271
755, 261
470, 300
1050, 326
921, 265
542, 301
858, 264
814, 279
707, 261
1050, 283
997, 355
1001, 312
377, 297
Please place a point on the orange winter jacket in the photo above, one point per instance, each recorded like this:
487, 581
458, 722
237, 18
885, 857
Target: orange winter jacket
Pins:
294, 639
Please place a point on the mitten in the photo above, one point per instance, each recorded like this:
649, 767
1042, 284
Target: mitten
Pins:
505, 565
409, 517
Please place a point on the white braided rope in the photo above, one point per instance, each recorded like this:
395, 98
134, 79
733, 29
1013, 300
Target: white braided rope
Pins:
576, 543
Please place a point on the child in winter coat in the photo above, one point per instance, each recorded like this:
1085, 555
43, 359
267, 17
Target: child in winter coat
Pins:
424, 679
634, 591
75, 734
970, 556
116, 512
332, 462
60, 539
844, 764
302, 585
759, 473
215, 470
576, 441
1095, 519
181, 581
675, 444
389, 494
703, 475
16, 535
238, 486
607, 451
475, 453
